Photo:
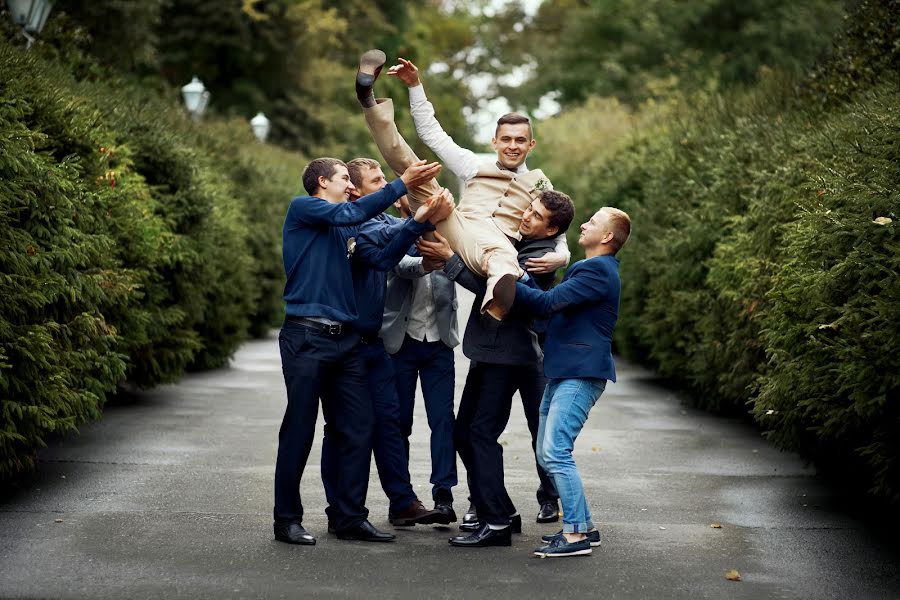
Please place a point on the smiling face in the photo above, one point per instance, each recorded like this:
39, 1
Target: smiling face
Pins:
338, 187
513, 142
535, 224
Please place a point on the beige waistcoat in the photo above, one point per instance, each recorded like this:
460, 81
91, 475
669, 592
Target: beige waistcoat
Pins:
502, 196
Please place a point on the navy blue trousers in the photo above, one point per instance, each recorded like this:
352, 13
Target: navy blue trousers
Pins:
433, 364
388, 447
482, 416
317, 366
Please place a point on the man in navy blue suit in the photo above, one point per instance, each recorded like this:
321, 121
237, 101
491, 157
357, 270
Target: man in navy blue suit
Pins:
577, 362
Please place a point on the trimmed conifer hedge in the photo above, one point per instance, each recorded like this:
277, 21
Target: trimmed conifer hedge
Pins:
136, 244
763, 271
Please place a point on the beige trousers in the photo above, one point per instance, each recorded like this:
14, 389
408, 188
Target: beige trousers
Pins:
471, 238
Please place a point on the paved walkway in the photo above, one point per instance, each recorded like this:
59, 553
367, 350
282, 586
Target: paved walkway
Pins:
169, 496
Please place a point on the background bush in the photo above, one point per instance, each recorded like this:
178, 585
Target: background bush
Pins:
762, 273
136, 244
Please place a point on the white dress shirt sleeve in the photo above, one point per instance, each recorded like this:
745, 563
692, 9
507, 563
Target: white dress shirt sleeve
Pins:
562, 246
464, 163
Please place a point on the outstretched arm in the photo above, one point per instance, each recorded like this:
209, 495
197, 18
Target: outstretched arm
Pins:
461, 161
317, 211
588, 285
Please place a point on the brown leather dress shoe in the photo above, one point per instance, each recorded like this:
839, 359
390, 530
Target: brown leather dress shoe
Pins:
416, 514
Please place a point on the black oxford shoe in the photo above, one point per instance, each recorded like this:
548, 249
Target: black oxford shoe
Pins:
293, 533
446, 512
485, 536
515, 525
365, 532
471, 516
549, 512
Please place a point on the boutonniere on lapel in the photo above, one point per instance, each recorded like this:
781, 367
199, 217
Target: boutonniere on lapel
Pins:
351, 247
543, 185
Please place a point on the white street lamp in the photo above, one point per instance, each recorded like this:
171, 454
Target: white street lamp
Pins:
30, 15
195, 98
260, 125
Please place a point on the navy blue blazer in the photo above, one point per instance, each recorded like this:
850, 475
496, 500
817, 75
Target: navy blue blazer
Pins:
583, 310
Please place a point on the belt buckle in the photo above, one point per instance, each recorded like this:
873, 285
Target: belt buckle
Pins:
334, 329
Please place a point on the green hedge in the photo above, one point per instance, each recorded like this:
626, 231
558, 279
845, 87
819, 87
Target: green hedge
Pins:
763, 273
136, 244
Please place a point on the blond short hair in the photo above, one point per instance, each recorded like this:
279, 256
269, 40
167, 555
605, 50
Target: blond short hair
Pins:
620, 224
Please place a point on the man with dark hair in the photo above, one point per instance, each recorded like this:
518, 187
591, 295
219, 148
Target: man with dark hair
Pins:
370, 267
496, 193
583, 310
505, 358
319, 345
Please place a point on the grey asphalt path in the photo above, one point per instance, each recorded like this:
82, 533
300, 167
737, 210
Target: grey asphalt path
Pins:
169, 496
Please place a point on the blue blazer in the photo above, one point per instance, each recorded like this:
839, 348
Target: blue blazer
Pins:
583, 310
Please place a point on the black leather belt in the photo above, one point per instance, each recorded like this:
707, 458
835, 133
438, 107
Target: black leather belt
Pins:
334, 329
368, 338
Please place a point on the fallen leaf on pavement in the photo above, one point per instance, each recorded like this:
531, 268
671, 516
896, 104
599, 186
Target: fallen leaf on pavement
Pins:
57, 520
716, 525
733, 575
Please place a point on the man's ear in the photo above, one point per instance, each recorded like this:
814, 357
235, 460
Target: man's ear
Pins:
552, 231
323, 182
532, 143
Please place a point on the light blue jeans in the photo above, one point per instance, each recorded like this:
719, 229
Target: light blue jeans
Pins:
564, 410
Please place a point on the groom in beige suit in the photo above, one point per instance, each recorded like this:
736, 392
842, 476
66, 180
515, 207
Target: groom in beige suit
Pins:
486, 223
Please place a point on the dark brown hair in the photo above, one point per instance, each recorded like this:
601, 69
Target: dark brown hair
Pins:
320, 167
561, 207
513, 119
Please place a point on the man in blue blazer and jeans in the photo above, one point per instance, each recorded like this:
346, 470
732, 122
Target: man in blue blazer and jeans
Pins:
578, 362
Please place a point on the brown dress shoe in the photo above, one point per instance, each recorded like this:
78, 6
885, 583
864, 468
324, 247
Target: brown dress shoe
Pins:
415, 514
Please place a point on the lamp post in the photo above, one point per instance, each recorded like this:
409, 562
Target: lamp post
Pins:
260, 125
196, 97
30, 15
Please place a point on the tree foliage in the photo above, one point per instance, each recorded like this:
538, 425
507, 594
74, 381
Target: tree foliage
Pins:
639, 50
762, 272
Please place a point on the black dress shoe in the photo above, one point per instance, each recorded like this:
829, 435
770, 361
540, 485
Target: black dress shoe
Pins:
515, 525
485, 536
293, 533
471, 516
446, 513
370, 65
365, 532
549, 512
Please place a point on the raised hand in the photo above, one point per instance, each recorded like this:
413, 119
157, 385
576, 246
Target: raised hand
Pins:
406, 72
438, 250
436, 209
419, 172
